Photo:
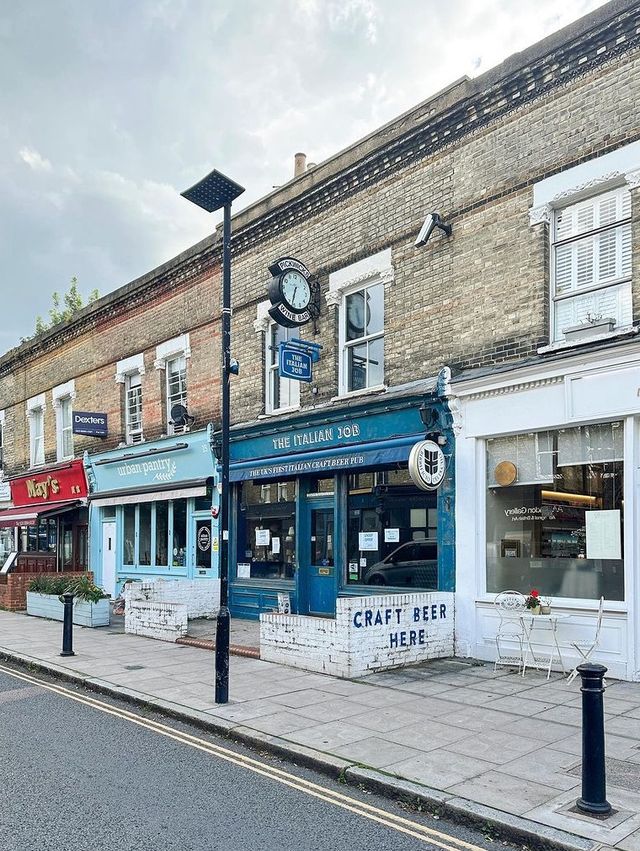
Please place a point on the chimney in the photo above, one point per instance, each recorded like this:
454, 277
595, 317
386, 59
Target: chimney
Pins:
300, 164
311, 165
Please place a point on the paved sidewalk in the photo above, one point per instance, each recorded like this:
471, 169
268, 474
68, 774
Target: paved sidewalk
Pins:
502, 747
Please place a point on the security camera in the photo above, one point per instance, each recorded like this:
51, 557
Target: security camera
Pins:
432, 221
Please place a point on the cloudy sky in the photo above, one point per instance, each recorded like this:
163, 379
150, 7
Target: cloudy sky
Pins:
109, 109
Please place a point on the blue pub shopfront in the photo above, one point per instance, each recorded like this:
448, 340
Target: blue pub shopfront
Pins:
151, 510
323, 504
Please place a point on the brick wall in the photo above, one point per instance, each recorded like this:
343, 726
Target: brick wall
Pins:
479, 298
368, 634
14, 587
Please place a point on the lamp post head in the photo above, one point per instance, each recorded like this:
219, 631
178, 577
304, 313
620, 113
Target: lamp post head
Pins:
213, 192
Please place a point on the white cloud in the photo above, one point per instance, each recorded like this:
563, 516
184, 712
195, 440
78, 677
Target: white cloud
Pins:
34, 160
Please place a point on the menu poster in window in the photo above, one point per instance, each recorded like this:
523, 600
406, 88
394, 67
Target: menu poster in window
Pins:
244, 570
603, 534
392, 536
367, 541
275, 546
263, 537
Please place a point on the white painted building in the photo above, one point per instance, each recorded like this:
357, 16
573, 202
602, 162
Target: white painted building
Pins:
548, 450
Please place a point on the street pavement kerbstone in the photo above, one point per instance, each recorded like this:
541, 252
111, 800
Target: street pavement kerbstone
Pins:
494, 743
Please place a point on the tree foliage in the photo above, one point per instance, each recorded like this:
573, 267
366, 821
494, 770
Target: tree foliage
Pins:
65, 306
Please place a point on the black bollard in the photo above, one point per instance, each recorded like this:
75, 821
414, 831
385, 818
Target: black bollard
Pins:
223, 627
67, 626
594, 776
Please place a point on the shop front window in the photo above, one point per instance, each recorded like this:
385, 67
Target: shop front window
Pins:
162, 532
129, 537
266, 530
7, 544
144, 540
392, 532
179, 533
555, 512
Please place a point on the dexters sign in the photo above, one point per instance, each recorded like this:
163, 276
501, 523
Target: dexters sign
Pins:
91, 423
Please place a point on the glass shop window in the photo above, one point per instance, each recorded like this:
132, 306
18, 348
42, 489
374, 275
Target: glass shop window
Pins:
129, 537
144, 540
40, 538
162, 533
555, 512
179, 532
392, 533
267, 530
7, 543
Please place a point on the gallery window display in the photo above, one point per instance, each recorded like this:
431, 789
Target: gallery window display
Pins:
554, 511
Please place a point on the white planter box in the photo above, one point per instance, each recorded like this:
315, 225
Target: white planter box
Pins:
589, 329
84, 614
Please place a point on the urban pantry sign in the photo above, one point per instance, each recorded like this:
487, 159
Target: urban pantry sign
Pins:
54, 485
92, 424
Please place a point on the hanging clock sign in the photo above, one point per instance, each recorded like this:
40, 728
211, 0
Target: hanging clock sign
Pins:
290, 292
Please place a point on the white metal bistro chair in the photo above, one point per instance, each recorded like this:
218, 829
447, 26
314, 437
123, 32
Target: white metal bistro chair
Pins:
510, 606
586, 648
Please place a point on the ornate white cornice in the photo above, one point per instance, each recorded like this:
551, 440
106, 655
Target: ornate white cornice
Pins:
515, 388
129, 366
633, 179
171, 349
586, 187
540, 215
373, 269
263, 320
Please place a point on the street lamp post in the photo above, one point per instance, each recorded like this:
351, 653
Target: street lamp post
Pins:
213, 192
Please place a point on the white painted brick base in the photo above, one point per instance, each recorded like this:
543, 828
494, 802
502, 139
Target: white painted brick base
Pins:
368, 634
161, 608
165, 621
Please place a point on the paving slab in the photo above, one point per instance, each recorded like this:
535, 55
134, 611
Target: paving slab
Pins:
502, 747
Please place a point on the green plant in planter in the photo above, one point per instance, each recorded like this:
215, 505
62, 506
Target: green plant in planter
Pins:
81, 587
48, 585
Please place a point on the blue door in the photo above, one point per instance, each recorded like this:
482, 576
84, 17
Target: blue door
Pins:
320, 567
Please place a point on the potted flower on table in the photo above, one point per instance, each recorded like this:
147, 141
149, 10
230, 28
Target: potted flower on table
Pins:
533, 602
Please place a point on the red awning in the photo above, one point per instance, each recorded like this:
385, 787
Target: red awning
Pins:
27, 515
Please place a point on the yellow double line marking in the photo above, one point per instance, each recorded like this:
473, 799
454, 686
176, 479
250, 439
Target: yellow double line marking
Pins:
345, 802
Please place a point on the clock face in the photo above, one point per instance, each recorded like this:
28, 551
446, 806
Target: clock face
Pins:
295, 290
355, 315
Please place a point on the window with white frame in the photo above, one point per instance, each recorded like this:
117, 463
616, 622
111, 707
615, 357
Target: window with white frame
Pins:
35, 414
62, 397
133, 407
591, 263
281, 393
362, 338
65, 429
176, 378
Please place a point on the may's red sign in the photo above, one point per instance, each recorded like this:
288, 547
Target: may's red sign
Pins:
54, 485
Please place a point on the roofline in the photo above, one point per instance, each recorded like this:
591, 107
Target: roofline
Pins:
416, 117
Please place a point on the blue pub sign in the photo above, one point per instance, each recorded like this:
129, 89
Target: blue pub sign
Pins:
324, 505
295, 364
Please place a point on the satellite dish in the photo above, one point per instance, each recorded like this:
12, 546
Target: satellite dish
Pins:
180, 416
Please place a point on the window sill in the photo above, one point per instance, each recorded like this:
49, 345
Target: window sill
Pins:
278, 412
596, 338
366, 391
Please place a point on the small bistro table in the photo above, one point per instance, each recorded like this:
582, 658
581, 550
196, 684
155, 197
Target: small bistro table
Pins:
528, 622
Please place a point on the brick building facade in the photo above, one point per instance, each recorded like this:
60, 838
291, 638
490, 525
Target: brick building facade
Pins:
480, 299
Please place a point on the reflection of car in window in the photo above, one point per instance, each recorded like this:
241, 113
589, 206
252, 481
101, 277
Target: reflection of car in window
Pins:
414, 563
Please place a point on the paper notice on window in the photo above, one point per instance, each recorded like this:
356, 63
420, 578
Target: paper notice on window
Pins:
244, 570
392, 536
263, 536
368, 541
603, 534
275, 545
